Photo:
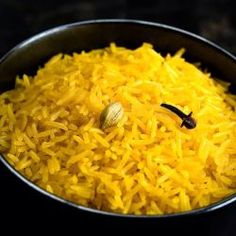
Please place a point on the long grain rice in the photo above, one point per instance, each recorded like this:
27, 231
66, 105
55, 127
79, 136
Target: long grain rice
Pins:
147, 164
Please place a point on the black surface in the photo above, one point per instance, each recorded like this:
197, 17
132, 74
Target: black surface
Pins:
214, 19
19, 204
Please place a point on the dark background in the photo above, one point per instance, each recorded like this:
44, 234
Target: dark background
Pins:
213, 19
20, 206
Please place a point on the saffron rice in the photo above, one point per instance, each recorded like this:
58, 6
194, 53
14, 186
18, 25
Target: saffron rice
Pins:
147, 164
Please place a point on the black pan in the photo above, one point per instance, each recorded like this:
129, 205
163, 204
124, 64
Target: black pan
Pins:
30, 54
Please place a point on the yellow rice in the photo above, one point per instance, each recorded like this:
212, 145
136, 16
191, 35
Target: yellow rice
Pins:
147, 164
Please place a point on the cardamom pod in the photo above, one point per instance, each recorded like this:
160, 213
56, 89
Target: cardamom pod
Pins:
111, 115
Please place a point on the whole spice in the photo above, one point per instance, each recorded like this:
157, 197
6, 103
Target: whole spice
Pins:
188, 121
111, 115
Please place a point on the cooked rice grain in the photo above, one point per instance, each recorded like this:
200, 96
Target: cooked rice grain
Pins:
147, 164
